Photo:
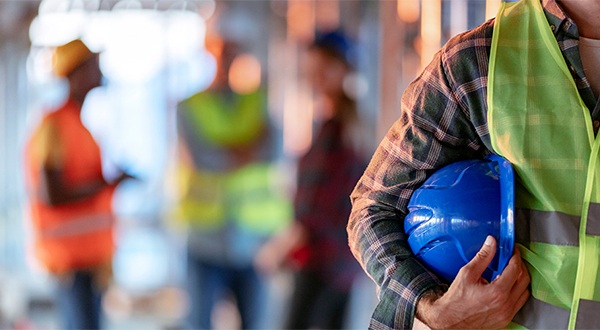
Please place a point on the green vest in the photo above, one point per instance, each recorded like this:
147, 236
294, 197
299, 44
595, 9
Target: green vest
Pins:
227, 122
538, 122
256, 200
201, 198
248, 196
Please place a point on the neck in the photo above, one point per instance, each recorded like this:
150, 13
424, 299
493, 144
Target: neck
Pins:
586, 15
77, 97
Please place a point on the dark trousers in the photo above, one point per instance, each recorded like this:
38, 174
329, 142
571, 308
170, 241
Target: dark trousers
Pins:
315, 304
208, 283
78, 301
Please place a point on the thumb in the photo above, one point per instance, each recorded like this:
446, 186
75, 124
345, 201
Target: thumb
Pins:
482, 259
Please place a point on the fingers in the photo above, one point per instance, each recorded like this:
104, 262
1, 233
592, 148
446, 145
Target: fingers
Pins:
521, 301
521, 284
523, 279
511, 274
482, 259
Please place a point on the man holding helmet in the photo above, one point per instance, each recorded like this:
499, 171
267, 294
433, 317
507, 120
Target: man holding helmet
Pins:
522, 86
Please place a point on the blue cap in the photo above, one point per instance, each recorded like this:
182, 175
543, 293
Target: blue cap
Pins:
337, 44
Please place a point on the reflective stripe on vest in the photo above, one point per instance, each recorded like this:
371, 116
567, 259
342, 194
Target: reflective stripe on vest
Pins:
248, 196
81, 226
255, 202
538, 122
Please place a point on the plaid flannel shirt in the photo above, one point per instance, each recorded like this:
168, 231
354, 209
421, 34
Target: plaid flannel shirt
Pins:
326, 175
443, 120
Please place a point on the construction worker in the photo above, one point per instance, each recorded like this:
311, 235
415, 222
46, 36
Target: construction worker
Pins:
71, 209
524, 86
228, 198
316, 243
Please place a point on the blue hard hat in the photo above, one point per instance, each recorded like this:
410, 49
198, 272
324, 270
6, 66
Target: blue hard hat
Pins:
454, 211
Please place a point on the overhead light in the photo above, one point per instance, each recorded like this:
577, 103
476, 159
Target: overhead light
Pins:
192, 75
128, 4
57, 28
58, 6
185, 33
137, 50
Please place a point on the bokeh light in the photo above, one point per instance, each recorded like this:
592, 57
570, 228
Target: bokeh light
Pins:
408, 10
136, 50
57, 28
244, 74
185, 33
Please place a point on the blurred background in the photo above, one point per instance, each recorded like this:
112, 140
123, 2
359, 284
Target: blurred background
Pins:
154, 55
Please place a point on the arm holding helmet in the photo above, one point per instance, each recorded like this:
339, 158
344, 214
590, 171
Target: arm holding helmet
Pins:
443, 121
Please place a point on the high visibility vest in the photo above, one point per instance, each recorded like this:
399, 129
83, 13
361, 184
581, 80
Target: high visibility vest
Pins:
255, 200
201, 198
538, 121
248, 196
227, 122
78, 234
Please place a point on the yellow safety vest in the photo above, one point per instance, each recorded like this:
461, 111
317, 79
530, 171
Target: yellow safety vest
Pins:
250, 196
538, 122
227, 122
255, 198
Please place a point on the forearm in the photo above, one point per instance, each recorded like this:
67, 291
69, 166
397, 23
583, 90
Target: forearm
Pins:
55, 191
378, 241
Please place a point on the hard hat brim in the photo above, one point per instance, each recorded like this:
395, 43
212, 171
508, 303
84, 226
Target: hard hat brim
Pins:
507, 221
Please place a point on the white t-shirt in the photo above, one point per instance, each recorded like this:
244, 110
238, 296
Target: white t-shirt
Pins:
589, 49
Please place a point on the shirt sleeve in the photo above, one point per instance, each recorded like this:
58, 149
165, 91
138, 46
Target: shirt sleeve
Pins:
434, 130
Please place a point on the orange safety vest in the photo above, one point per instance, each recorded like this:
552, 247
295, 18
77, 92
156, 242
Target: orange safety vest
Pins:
79, 234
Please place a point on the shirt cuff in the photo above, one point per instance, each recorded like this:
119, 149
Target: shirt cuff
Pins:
397, 301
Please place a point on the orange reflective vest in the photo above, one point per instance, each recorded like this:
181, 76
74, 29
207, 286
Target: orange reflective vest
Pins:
78, 234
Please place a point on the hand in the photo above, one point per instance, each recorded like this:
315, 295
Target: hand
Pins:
471, 302
270, 257
124, 176
274, 254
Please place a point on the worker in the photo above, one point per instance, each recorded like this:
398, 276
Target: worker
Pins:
523, 86
71, 211
315, 245
229, 202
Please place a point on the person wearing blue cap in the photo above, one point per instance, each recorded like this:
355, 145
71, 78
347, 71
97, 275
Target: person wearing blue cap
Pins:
317, 243
523, 86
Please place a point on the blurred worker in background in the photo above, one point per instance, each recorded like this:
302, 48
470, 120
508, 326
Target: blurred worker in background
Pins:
227, 195
317, 243
71, 208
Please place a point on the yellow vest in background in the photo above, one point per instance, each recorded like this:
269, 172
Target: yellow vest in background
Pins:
227, 122
249, 196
